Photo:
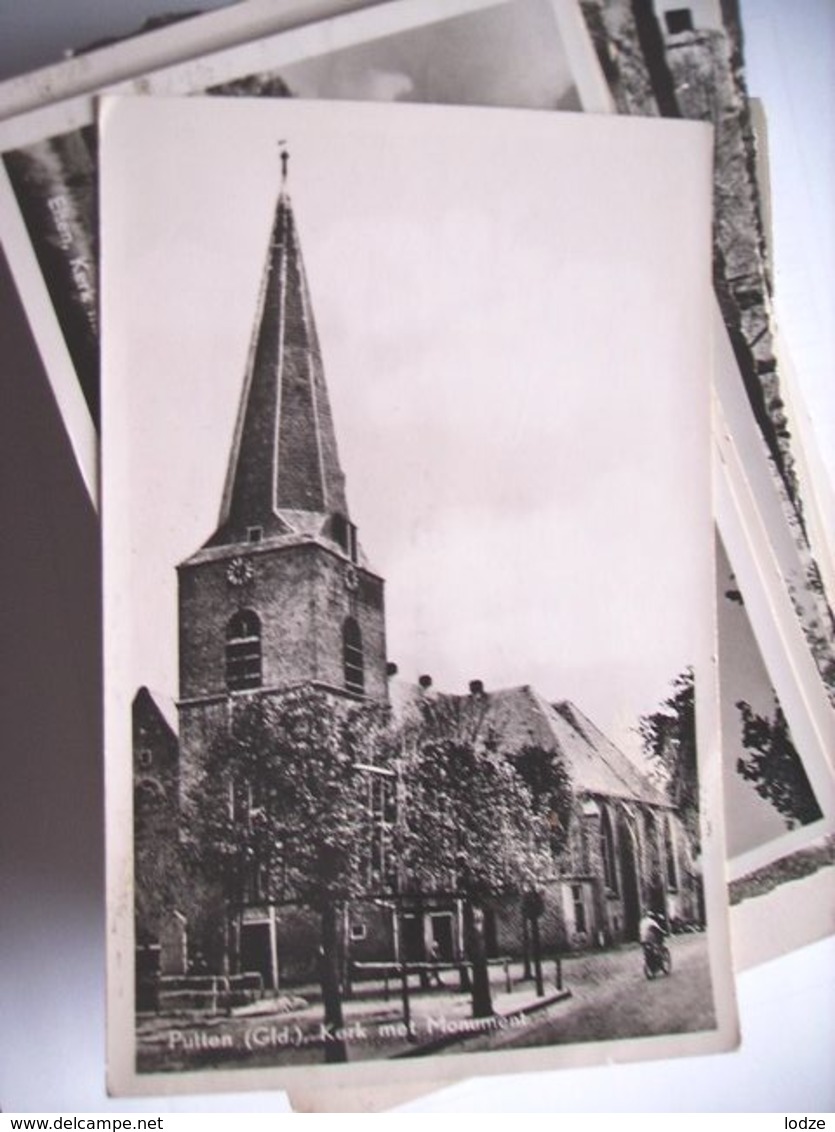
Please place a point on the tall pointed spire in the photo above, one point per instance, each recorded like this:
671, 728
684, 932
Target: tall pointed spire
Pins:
284, 458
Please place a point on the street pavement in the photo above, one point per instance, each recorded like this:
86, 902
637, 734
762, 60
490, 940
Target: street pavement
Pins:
609, 998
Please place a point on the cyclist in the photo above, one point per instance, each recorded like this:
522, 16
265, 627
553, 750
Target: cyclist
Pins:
651, 931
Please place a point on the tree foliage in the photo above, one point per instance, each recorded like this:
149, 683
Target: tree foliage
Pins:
468, 823
669, 738
549, 785
284, 799
282, 813
775, 768
466, 812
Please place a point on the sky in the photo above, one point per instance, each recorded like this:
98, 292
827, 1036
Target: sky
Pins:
516, 354
464, 60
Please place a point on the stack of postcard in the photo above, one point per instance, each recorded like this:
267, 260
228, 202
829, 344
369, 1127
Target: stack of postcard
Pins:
469, 663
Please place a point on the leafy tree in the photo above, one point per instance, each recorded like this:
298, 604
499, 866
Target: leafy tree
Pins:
467, 821
282, 813
775, 768
549, 784
546, 776
669, 738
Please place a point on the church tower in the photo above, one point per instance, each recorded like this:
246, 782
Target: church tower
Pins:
281, 594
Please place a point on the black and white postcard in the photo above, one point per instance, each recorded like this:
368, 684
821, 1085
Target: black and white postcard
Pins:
779, 808
124, 48
518, 53
411, 715
460, 51
770, 509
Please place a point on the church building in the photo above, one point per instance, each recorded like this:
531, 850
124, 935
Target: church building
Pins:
282, 596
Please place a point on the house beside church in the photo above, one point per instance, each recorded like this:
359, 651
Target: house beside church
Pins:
282, 596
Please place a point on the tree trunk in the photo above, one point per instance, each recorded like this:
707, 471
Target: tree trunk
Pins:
335, 1049
477, 955
537, 955
526, 947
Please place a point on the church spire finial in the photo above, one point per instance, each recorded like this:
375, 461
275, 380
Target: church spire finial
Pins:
284, 458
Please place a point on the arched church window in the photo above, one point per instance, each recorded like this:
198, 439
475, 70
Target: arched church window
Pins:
243, 651
352, 659
670, 855
607, 853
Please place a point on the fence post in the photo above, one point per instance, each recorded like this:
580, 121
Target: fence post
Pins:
404, 994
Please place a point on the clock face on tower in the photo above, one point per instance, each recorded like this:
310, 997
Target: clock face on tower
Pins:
239, 572
286, 597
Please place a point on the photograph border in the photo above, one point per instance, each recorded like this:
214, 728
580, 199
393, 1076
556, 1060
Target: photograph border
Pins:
142, 51
311, 39
122, 1074
749, 513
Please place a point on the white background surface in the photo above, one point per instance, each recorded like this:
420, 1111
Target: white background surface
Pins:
51, 821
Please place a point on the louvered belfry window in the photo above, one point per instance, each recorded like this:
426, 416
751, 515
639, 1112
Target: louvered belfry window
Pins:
243, 651
352, 659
